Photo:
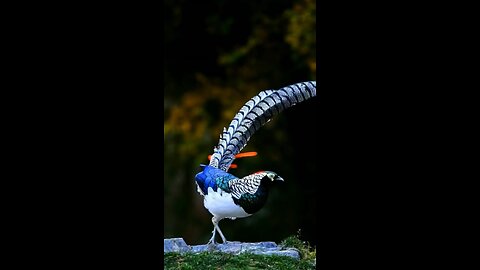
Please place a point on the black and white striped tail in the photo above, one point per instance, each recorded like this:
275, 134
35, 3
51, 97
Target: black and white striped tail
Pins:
253, 115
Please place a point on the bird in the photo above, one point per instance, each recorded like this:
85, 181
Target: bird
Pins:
226, 195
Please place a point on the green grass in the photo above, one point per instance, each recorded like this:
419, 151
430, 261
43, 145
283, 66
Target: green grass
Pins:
224, 261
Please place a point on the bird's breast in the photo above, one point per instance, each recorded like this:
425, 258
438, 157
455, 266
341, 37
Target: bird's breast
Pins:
220, 203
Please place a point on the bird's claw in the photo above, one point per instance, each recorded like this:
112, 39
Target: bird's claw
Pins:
211, 246
211, 242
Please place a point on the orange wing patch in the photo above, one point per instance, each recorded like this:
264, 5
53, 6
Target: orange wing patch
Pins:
240, 155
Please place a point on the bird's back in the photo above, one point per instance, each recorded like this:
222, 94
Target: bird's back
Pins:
213, 178
251, 191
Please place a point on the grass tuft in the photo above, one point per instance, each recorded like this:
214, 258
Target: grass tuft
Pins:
306, 251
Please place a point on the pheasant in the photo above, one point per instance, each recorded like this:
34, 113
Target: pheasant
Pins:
225, 195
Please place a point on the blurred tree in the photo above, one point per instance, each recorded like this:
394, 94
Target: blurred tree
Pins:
219, 54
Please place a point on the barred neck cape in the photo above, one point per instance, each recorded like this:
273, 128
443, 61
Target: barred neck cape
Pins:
254, 114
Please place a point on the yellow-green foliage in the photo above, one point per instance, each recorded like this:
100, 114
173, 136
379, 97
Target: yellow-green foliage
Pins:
190, 118
301, 34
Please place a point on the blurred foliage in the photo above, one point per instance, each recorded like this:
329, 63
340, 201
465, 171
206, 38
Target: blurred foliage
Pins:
219, 54
301, 25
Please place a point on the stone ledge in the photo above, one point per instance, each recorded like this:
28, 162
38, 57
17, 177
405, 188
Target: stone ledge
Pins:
261, 248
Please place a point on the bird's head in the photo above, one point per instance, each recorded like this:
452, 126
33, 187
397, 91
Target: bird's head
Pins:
269, 177
273, 176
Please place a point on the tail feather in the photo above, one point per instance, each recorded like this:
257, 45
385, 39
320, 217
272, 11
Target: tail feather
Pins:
253, 115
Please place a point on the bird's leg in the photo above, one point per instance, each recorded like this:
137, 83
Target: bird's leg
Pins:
212, 240
221, 234
215, 224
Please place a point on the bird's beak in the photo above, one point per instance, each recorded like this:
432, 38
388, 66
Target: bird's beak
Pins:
279, 178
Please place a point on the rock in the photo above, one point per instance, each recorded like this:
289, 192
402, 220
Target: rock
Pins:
262, 248
291, 252
175, 245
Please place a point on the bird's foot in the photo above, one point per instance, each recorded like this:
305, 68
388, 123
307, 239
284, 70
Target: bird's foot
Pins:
212, 241
212, 245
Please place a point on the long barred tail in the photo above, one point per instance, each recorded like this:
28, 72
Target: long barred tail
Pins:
253, 115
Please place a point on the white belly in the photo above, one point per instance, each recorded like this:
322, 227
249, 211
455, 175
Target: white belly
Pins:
221, 205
